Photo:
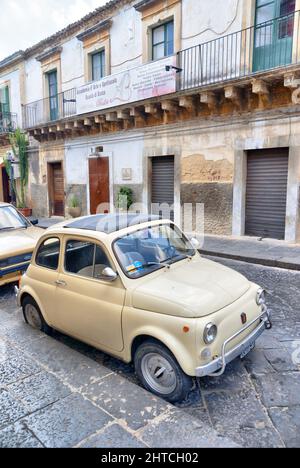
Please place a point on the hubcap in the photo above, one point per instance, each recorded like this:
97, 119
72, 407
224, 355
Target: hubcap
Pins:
159, 373
33, 317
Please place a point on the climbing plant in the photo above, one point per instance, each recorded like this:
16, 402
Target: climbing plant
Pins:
19, 144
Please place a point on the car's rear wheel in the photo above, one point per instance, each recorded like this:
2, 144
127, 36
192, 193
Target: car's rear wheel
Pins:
160, 373
33, 316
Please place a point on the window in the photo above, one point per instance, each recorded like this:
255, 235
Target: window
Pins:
148, 250
53, 97
4, 100
85, 259
163, 41
98, 65
48, 254
10, 219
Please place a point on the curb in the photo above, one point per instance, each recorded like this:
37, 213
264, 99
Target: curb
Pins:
254, 260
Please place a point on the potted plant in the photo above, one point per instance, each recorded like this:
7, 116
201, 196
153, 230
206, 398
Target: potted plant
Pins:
125, 198
19, 144
74, 208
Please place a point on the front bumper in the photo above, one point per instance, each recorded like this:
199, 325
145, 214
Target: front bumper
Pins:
13, 273
218, 366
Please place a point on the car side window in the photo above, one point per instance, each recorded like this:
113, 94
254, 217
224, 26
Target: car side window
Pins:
85, 259
48, 254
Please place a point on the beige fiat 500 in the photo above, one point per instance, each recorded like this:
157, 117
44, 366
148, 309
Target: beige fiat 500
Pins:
137, 288
18, 237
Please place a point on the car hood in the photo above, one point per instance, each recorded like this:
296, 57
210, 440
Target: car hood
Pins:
18, 241
191, 289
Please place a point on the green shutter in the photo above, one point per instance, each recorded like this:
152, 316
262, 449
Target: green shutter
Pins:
4, 100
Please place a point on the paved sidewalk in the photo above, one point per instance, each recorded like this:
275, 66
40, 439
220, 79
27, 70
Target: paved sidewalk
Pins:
252, 250
53, 396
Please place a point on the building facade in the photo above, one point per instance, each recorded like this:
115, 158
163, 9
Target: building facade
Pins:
183, 101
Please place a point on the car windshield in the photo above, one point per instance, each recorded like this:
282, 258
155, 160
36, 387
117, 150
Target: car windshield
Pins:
10, 219
150, 249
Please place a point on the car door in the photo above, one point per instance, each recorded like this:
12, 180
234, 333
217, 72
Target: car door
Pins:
88, 307
44, 271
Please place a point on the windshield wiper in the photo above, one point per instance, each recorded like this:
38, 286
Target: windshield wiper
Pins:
8, 228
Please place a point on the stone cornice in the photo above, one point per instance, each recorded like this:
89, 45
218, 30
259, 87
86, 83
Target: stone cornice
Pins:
143, 4
102, 26
49, 53
12, 59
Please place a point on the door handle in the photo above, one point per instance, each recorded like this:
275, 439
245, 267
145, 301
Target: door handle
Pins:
60, 283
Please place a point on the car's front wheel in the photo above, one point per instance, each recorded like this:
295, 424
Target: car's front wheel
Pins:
160, 373
33, 316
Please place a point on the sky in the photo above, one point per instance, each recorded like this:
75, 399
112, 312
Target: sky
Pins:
25, 22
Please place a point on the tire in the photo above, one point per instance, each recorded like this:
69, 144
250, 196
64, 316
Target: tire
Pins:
33, 317
173, 384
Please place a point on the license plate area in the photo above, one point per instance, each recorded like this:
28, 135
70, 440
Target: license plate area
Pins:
248, 350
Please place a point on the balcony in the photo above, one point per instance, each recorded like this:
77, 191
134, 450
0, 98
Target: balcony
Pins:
251, 57
265, 47
8, 123
50, 110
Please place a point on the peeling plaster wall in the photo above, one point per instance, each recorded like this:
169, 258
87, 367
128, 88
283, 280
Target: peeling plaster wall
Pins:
221, 18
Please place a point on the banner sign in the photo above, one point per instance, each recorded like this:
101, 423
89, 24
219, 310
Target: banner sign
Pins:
133, 85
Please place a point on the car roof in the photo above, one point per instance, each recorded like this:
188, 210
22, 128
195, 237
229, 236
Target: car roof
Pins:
4, 204
106, 224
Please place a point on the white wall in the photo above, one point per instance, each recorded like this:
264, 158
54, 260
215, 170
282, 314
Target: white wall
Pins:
34, 80
126, 40
205, 20
124, 154
72, 60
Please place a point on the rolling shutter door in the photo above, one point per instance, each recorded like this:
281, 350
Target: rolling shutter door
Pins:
163, 176
266, 195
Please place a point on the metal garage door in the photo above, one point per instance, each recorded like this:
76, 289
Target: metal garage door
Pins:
163, 177
266, 195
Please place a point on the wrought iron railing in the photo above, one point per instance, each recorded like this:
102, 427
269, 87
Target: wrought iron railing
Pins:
266, 46
51, 109
8, 122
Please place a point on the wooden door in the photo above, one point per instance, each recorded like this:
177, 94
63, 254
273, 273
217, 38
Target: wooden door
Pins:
99, 183
56, 190
5, 185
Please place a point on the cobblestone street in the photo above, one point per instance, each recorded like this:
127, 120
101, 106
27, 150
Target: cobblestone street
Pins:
256, 403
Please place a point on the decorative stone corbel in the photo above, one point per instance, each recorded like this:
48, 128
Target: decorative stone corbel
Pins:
260, 88
292, 81
209, 98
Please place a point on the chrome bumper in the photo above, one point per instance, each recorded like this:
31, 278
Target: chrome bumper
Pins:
217, 367
17, 294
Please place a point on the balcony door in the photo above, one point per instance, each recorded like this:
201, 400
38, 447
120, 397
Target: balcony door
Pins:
4, 101
53, 98
274, 30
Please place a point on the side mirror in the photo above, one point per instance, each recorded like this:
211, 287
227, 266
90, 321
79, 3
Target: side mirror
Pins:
195, 243
108, 274
35, 222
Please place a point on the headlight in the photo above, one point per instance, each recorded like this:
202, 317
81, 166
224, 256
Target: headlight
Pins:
261, 297
210, 333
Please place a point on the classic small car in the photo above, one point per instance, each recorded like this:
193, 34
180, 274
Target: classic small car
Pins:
18, 237
137, 288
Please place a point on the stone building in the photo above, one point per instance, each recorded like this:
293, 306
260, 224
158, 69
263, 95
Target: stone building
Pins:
184, 101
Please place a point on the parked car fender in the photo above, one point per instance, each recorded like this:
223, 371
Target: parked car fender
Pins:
28, 291
181, 350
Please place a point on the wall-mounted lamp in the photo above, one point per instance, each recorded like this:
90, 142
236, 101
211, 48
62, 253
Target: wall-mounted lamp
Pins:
171, 67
